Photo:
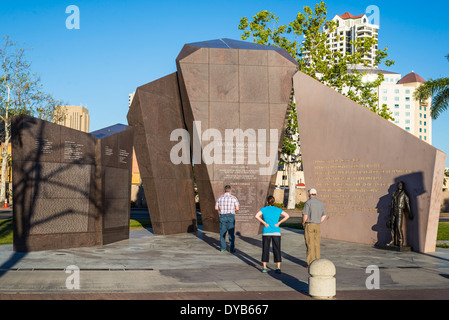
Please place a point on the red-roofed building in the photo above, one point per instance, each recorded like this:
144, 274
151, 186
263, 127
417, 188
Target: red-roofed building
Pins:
347, 15
411, 78
411, 115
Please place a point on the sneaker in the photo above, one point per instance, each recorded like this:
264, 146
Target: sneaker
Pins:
278, 271
264, 270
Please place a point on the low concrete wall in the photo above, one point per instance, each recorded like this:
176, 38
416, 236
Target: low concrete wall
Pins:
281, 195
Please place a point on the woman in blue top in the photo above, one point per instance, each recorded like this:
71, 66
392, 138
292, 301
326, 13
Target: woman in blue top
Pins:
269, 217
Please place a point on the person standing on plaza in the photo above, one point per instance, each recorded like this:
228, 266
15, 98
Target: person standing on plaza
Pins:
313, 215
269, 217
227, 204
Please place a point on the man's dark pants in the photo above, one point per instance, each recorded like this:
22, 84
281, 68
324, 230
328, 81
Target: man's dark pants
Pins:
227, 225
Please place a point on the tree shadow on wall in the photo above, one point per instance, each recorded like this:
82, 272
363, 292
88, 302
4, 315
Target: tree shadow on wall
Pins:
414, 187
37, 184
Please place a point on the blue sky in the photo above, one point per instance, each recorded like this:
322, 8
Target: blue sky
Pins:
124, 44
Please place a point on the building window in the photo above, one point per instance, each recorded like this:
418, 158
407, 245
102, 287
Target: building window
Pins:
420, 129
407, 121
384, 91
396, 106
407, 128
407, 98
396, 98
407, 91
384, 98
396, 114
396, 90
407, 114
407, 106
425, 122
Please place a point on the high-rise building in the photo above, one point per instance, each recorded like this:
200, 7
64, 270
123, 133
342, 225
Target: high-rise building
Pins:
75, 117
410, 114
350, 28
395, 91
130, 98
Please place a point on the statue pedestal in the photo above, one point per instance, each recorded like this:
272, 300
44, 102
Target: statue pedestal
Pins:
394, 248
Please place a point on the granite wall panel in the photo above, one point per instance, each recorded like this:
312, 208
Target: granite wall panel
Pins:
59, 184
354, 159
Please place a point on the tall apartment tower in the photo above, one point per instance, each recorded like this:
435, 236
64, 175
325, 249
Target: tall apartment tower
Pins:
395, 91
349, 28
75, 117
130, 98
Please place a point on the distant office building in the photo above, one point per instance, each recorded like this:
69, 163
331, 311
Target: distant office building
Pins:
75, 117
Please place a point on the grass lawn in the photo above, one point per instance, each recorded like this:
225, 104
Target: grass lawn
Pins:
443, 234
443, 231
6, 231
139, 224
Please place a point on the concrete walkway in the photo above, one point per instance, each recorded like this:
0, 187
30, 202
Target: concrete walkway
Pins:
191, 266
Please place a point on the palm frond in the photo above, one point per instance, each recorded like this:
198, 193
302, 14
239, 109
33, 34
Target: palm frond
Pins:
440, 102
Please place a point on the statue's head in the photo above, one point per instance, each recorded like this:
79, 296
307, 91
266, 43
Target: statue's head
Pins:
400, 185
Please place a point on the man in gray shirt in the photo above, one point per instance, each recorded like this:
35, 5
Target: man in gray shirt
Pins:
313, 215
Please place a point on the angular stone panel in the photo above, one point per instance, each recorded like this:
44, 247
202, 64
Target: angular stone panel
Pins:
116, 151
354, 158
232, 87
59, 186
155, 113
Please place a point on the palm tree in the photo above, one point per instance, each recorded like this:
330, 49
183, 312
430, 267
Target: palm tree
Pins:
438, 89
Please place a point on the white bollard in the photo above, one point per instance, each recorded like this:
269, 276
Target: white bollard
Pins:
322, 283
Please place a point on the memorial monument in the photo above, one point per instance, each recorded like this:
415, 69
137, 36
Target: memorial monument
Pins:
355, 158
223, 112
70, 188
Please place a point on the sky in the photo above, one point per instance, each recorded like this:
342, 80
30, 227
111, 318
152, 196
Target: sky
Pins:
121, 45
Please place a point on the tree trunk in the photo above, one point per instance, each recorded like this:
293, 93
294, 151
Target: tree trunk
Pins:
291, 176
5, 152
4, 168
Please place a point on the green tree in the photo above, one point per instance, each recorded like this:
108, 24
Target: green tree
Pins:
304, 38
438, 89
20, 93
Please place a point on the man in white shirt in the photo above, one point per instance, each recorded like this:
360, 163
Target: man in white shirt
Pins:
227, 205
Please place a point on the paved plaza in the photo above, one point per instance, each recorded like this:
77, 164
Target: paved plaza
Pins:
191, 266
